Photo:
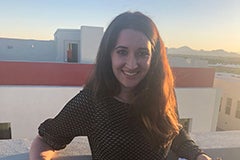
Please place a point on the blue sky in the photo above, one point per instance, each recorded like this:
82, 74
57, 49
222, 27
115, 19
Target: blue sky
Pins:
199, 24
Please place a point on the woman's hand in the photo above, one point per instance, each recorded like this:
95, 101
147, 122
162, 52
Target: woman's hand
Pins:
203, 157
40, 150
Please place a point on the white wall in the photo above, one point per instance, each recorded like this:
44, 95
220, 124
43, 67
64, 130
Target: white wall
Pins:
90, 40
201, 105
25, 107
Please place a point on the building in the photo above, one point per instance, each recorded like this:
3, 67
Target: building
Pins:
69, 45
198, 101
229, 111
27, 50
31, 92
79, 46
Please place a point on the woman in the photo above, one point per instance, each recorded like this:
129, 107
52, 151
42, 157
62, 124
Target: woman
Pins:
128, 107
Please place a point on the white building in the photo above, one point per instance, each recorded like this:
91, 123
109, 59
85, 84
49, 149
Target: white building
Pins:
78, 46
229, 111
69, 45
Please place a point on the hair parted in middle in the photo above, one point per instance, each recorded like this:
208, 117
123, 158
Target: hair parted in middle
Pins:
154, 103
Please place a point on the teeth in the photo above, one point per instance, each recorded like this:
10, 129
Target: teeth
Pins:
130, 73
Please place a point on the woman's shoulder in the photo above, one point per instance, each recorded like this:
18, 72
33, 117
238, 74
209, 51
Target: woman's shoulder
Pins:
85, 96
87, 92
91, 95
100, 100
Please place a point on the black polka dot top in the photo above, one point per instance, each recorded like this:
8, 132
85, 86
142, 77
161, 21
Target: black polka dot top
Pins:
111, 134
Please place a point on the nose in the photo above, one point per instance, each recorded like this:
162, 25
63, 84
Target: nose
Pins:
131, 62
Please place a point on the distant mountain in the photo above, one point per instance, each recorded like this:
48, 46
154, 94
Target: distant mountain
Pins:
188, 51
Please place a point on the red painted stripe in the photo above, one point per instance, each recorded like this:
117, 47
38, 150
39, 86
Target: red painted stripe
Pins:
72, 74
32, 73
194, 77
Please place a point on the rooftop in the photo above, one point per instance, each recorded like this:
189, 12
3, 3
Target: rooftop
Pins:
229, 76
224, 144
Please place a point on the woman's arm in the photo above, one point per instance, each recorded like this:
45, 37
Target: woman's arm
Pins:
40, 150
185, 147
203, 157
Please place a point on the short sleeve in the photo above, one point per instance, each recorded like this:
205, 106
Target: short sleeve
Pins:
184, 147
75, 119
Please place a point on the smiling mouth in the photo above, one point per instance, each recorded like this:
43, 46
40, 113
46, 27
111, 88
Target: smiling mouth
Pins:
130, 73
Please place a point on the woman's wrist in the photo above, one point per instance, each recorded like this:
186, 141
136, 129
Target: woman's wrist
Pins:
203, 157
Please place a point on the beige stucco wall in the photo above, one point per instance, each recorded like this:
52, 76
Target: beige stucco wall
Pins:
230, 87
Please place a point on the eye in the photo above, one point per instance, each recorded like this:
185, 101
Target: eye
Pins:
122, 52
143, 53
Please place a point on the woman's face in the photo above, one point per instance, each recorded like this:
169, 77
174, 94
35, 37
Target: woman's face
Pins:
131, 58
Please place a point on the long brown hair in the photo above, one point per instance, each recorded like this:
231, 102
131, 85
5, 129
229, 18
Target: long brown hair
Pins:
154, 103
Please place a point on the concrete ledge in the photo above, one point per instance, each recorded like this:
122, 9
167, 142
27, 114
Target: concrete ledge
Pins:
225, 144
15, 149
18, 149
220, 139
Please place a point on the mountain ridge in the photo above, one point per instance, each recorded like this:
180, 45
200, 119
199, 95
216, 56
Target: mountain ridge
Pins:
185, 50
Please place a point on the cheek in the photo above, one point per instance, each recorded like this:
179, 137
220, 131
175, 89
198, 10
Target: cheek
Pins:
115, 65
116, 61
146, 64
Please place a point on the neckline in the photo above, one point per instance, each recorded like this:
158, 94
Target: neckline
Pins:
120, 100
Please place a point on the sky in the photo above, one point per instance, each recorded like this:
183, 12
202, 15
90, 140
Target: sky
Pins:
198, 24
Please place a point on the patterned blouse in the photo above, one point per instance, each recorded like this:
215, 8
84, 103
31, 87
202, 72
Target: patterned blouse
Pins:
111, 133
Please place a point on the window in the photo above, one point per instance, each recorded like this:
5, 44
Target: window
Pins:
237, 115
5, 131
72, 52
220, 106
228, 106
186, 123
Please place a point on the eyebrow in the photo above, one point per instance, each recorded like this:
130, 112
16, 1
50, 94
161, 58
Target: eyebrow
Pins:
122, 47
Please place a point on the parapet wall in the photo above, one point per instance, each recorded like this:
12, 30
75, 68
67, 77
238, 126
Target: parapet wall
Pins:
74, 74
224, 144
